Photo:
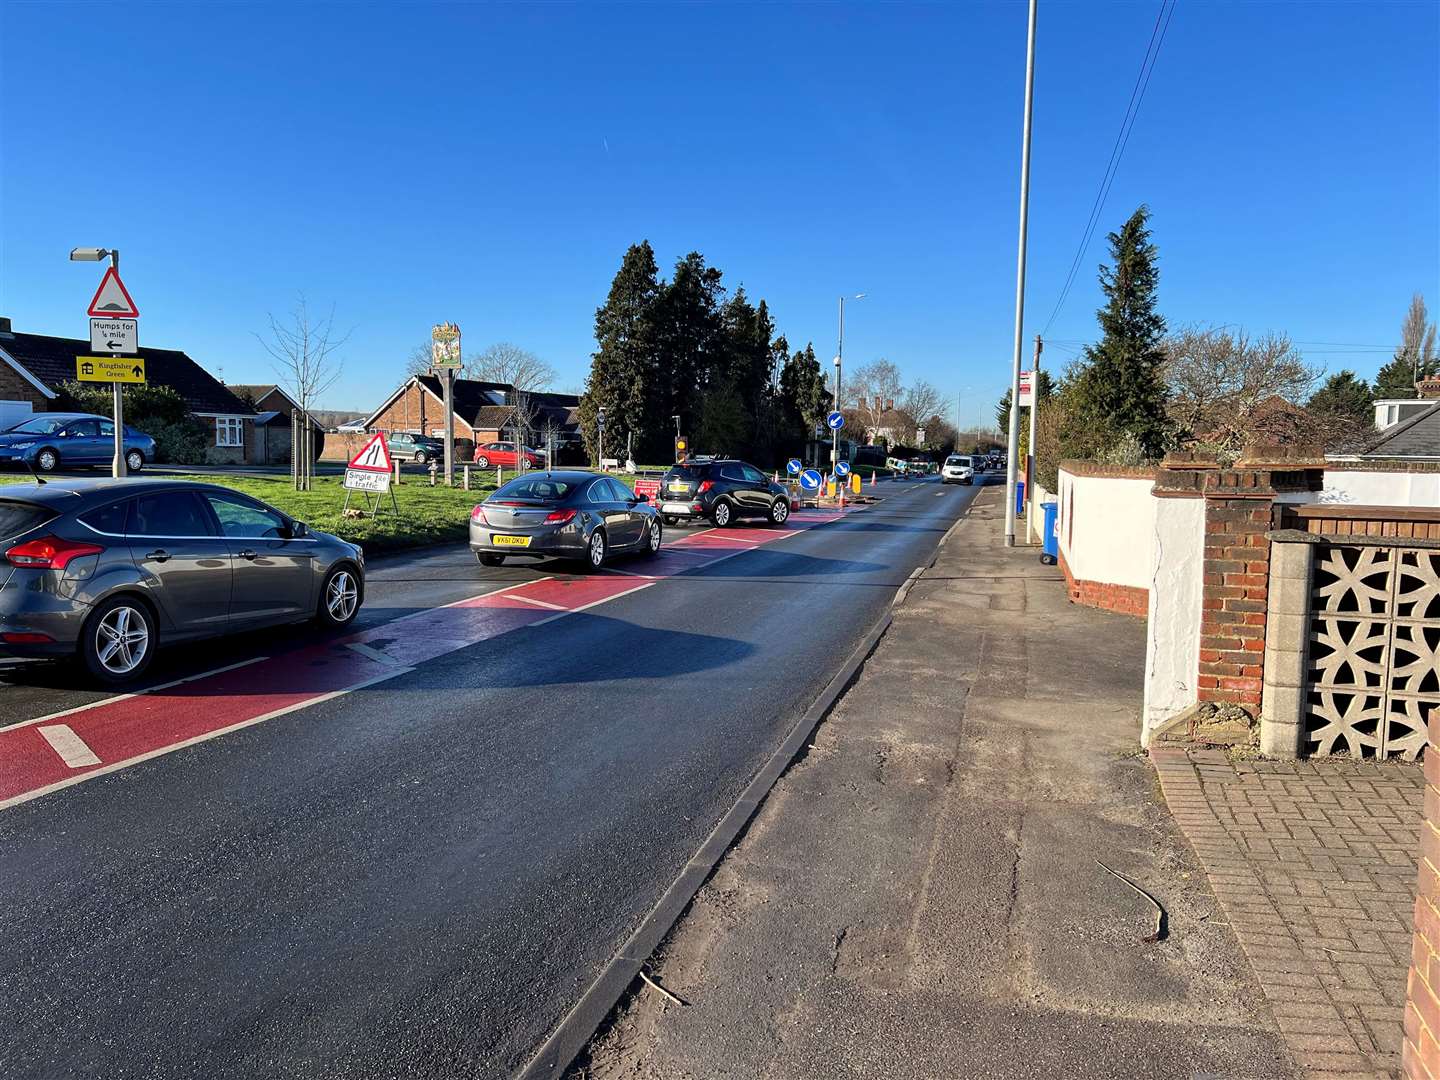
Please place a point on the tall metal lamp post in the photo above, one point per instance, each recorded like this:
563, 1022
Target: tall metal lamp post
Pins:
839, 358
117, 463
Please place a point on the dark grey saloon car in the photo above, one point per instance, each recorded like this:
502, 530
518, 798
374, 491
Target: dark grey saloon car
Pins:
567, 514
106, 570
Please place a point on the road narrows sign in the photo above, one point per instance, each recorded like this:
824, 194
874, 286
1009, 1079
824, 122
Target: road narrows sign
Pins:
114, 369
374, 456
112, 299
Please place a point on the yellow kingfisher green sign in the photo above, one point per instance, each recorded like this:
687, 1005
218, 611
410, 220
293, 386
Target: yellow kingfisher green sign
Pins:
126, 369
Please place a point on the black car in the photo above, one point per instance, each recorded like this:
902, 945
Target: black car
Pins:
421, 449
722, 490
564, 514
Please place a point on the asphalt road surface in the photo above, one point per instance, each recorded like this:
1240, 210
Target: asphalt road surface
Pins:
420, 877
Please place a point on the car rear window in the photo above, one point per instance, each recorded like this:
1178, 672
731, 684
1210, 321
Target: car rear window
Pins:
689, 472
18, 517
535, 487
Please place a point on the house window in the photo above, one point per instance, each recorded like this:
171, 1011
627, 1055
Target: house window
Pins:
229, 431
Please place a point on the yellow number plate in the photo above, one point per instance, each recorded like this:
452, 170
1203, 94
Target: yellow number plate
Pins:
677, 487
510, 541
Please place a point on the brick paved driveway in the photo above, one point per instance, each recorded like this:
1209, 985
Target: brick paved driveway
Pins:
1314, 864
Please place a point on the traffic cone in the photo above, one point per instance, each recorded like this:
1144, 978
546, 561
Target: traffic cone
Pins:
777, 476
872, 479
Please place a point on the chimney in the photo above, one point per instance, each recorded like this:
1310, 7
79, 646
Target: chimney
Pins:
5, 330
1429, 389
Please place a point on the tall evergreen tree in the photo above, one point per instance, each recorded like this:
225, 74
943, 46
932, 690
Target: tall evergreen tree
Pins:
1415, 358
747, 332
803, 398
690, 336
1119, 392
625, 371
1345, 397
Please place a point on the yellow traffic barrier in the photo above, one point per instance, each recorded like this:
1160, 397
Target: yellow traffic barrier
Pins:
855, 483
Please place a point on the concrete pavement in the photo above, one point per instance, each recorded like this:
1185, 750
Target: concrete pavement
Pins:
922, 895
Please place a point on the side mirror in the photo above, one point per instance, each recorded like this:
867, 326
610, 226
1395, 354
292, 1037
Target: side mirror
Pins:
297, 530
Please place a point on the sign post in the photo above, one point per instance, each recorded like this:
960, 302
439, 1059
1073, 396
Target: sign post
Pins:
445, 356
113, 309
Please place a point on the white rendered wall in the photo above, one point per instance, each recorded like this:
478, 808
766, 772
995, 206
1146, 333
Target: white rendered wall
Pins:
1106, 525
1176, 581
1379, 488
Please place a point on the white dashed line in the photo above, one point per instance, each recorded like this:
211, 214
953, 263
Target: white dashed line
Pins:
69, 746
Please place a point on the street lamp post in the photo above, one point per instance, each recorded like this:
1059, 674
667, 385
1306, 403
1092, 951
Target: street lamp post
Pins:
117, 462
835, 434
1012, 443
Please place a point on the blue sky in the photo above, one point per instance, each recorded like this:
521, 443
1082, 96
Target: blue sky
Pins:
489, 164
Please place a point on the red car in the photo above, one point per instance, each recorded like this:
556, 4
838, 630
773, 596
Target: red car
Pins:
503, 454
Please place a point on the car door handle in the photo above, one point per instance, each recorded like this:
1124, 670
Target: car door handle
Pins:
247, 554
160, 555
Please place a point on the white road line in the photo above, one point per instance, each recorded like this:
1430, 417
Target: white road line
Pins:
69, 746
629, 573
16, 800
373, 653
133, 694
539, 603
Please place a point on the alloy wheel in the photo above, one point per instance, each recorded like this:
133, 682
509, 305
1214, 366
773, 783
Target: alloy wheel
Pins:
722, 514
134, 461
122, 639
341, 596
781, 511
654, 536
47, 461
597, 548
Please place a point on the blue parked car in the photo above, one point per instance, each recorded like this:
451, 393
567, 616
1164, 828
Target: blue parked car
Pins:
48, 440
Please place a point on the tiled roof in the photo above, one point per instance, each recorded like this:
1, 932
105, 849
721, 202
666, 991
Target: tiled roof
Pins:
1418, 436
52, 361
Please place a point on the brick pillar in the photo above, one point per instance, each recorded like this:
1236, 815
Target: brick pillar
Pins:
1239, 504
1421, 1052
1237, 574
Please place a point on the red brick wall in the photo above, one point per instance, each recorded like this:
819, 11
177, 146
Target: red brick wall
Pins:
1422, 1009
416, 410
14, 387
1232, 624
1126, 599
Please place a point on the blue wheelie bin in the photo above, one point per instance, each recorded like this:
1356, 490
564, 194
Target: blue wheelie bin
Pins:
1049, 534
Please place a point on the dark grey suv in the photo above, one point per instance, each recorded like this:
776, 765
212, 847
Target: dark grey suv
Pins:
108, 569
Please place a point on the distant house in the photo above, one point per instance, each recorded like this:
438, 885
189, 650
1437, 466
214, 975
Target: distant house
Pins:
484, 411
1414, 439
271, 443
33, 366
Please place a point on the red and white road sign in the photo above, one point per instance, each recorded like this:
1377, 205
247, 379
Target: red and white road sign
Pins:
374, 456
112, 299
1027, 394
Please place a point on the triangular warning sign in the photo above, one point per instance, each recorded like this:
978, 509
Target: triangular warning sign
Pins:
374, 456
113, 299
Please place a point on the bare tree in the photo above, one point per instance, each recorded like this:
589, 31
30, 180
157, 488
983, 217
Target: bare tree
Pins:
305, 355
1218, 380
418, 363
1417, 339
523, 424
871, 393
507, 363
922, 401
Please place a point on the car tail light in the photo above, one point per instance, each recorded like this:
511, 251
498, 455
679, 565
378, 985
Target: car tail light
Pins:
478, 514
559, 517
49, 553
706, 485
28, 637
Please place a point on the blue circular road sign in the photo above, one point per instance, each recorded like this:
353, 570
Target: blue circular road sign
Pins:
835, 421
842, 468
811, 479
793, 466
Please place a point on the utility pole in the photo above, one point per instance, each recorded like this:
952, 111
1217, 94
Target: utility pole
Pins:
1033, 459
1013, 443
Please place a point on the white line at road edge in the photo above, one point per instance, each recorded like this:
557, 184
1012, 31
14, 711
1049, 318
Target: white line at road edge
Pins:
69, 746
163, 750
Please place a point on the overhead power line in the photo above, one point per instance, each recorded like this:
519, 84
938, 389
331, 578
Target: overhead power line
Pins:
1117, 151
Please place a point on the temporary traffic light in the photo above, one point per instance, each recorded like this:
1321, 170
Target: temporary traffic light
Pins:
682, 448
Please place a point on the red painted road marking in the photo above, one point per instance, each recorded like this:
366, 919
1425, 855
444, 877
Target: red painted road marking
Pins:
104, 736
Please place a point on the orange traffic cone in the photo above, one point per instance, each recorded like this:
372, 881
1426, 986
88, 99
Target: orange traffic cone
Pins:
872, 479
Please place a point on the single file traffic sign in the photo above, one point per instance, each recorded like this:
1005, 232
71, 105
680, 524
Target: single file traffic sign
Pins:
374, 456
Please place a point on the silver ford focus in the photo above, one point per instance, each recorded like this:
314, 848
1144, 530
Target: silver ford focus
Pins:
105, 570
